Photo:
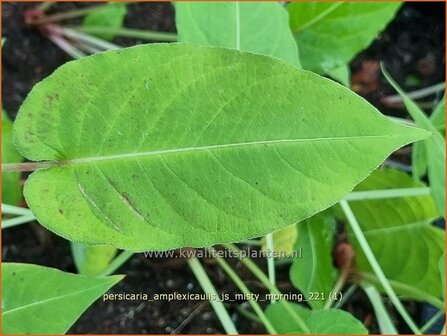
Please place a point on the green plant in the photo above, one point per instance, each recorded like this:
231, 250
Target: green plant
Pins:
224, 138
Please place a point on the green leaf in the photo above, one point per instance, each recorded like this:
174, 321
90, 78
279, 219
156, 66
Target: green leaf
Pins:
42, 300
437, 118
441, 265
341, 74
279, 317
92, 259
204, 147
330, 34
111, 16
314, 272
259, 27
283, 240
11, 188
434, 146
327, 321
398, 230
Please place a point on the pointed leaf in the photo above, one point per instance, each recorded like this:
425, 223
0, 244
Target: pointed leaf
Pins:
259, 27
11, 188
34, 297
434, 146
330, 34
314, 272
204, 146
398, 230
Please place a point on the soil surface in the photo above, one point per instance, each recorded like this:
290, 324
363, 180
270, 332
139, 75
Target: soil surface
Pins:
412, 49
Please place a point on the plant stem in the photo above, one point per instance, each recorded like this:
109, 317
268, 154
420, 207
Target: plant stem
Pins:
7, 223
408, 290
338, 285
376, 267
244, 289
386, 193
386, 325
421, 93
346, 296
44, 6
432, 321
66, 46
70, 14
207, 286
85, 38
116, 263
266, 282
127, 32
270, 260
14, 210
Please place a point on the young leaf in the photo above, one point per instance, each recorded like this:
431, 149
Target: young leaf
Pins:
112, 16
341, 74
330, 34
434, 146
283, 240
437, 118
92, 259
204, 147
11, 188
320, 322
42, 300
259, 27
314, 272
398, 230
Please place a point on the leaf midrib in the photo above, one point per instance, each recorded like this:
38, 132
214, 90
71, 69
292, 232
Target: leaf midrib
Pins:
54, 298
77, 161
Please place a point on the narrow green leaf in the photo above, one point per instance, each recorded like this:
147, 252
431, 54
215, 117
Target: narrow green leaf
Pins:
437, 118
11, 188
259, 27
205, 146
330, 34
112, 16
320, 322
42, 300
419, 153
398, 230
314, 272
435, 147
92, 259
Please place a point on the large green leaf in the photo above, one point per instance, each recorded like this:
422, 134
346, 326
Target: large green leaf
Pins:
203, 146
11, 188
330, 34
434, 147
314, 272
42, 300
110, 16
398, 230
259, 27
92, 259
320, 322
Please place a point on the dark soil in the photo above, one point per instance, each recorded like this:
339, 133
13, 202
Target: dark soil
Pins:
412, 48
